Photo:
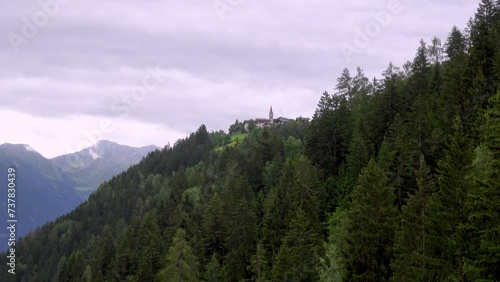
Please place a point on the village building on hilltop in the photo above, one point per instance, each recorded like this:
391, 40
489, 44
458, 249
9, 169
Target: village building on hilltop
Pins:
271, 121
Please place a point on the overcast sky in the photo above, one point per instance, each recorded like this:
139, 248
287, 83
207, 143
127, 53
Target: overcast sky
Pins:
150, 72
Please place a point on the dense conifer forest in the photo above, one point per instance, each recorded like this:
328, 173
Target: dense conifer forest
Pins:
394, 179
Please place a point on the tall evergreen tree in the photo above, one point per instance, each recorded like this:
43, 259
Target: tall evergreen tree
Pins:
412, 240
484, 201
419, 81
242, 236
483, 53
372, 224
299, 188
214, 227
435, 51
455, 44
103, 260
123, 257
448, 213
87, 274
345, 85
324, 104
297, 259
213, 272
62, 274
182, 264
454, 98
151, 254
328, 136
333, 265
259, 265
358, 155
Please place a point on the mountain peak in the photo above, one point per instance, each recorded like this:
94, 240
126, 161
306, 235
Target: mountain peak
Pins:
18, 147
106, 144
102, 143
104, 155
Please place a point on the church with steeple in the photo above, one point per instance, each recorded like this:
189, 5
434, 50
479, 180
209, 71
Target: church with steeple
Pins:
268, 122
271, 115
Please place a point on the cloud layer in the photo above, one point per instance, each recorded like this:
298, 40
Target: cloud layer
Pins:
86, 57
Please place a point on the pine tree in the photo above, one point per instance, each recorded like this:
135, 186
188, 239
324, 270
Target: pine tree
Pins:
149, 260
484, 201
328, 135
62, 274
454, 98
392, 101
412, 240
214, 227
293, 147
213, 272
87, 274
344, 85
103, 260
424, 85
297, 257
299, 188
242, 236
419, 81
259, 265
455, 44
358, 155
76, 265
400, 154
483, 52
123, 257
333, 266
372, 223
435, 51
448, 214
279, 202
324, 104
272, 172
182, 264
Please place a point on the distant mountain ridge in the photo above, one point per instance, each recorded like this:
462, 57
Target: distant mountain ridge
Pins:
49, 188
42, 193
94, 165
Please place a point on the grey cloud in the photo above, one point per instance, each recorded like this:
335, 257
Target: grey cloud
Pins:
283, 53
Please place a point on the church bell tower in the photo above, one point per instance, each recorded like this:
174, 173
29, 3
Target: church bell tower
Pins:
271, 115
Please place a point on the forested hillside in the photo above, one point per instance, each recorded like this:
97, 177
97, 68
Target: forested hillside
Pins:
54, 187
394, 179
